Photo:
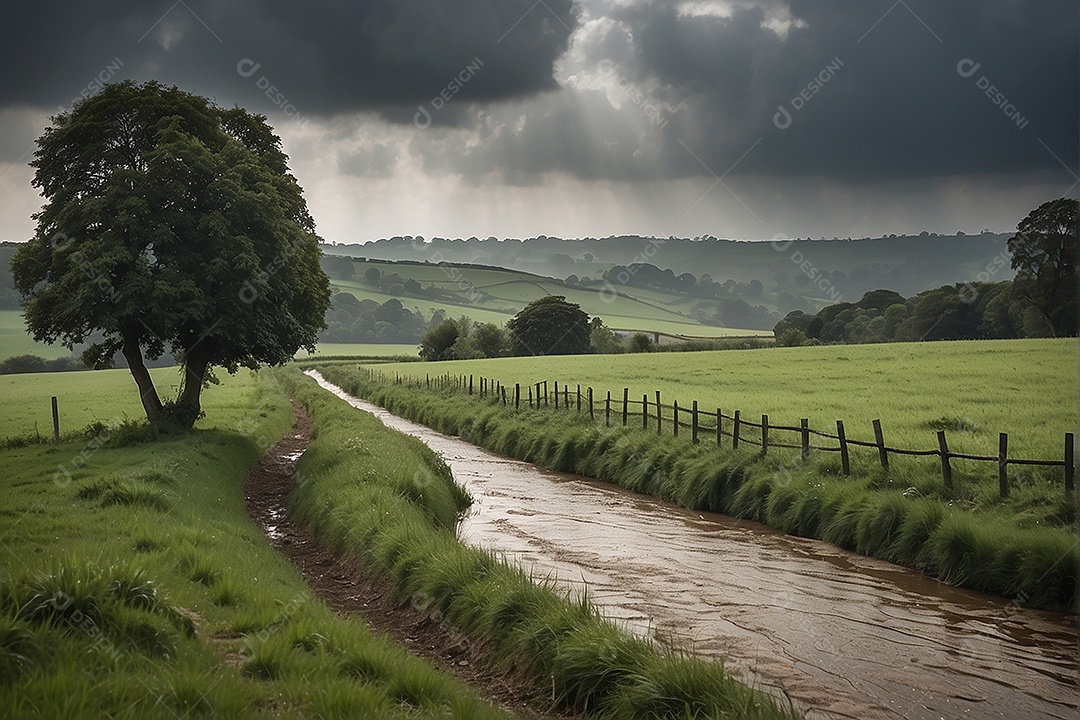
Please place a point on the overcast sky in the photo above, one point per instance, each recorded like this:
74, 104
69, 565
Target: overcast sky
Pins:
514, 118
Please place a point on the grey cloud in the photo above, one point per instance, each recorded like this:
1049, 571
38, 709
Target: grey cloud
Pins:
322, 58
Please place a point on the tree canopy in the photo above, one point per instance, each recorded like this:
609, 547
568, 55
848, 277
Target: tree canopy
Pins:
170, 224
550, 326
1044, 256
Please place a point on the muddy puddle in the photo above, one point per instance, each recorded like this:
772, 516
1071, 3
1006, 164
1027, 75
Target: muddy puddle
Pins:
843, 635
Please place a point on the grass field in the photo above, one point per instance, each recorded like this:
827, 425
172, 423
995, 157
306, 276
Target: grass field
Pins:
509, 291
362, 350
14, 340
971, 389
134, 585
964, 533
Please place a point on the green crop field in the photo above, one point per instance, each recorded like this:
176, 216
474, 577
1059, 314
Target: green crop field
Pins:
14, 340
972, 389
362, 350
504, 292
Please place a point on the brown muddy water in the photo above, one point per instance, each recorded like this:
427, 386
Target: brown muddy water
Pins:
842, 635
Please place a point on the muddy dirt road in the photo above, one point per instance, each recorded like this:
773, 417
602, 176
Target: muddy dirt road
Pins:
843, 635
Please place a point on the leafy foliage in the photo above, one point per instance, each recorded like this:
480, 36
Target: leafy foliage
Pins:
1044, 255
170, 223
550, 326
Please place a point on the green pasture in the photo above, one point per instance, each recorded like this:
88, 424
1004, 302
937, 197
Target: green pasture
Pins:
971, 389
14, 340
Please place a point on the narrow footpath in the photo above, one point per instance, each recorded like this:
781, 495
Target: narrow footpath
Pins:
348, 589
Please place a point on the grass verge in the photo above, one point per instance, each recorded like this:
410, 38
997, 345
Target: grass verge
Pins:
390, 502
134, 585
1024, 549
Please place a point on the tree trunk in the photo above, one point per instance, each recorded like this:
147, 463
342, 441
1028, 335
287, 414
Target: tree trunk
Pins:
147, 392
196, 362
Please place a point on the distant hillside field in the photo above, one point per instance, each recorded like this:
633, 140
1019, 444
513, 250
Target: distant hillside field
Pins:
14, 340
800, 274
496, 294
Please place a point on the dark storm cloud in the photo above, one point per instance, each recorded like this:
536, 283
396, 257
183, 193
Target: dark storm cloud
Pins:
848, 90
870, 89
321, 58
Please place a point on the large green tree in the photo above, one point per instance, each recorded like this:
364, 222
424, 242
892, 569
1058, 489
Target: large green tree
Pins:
550, 326
1044, 255
170, 224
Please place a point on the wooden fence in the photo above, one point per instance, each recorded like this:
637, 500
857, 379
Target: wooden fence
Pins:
702, 423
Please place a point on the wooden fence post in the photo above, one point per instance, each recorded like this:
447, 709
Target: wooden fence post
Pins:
517, 396
675, 418
625, 403
645, 411
845, 461
735, 432
764, 434
1003, 465
556, 394
804, 425
530, 397
1070, 466
502, 391
546, 401
946, 468
879, 438
55, 421
470, 384
659, 415
607, 410
694, 425
719, 426
579, 397
591, 415
566, 396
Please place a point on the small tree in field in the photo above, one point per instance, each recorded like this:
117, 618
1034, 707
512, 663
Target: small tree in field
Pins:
170, 223
550, 326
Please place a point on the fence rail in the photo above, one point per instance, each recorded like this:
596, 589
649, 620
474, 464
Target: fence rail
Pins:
733, 426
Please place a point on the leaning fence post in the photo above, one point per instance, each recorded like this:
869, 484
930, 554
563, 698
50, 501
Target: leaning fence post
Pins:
675, 418
1003, 465
946, 468
591, 415
625, 404
693, 425
530, 396
805, 432
879, 438
1070, 466
845, 461
764, 434
735, 432
659, 416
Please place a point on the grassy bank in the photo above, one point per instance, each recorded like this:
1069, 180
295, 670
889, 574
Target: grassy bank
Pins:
389, 501
134, 585
1023, 547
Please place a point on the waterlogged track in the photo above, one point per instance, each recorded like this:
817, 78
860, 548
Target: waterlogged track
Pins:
841, 634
